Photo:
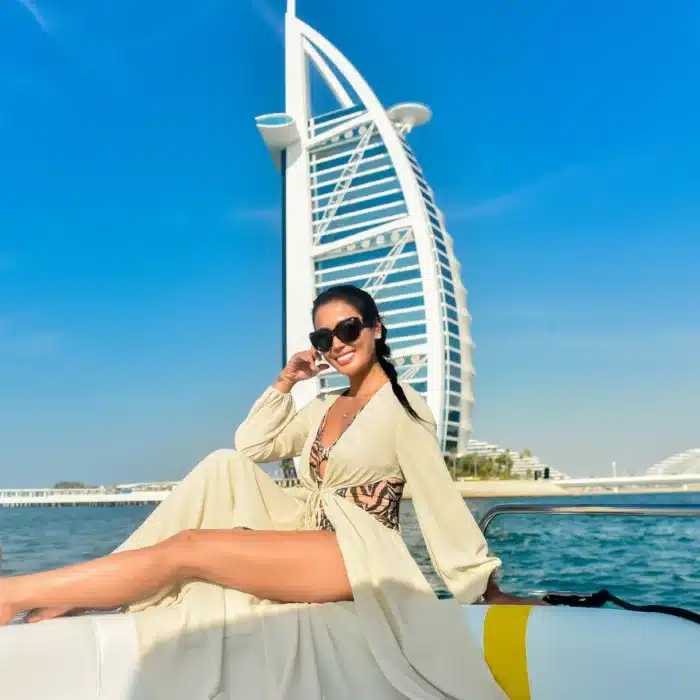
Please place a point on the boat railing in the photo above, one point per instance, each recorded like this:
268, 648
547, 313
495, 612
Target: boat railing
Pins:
539, 509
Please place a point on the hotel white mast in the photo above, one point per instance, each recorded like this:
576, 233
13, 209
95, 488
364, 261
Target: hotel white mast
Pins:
357, 209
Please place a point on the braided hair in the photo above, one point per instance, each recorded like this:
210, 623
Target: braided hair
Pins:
367, 308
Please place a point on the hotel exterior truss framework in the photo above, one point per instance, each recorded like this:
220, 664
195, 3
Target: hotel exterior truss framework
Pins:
358, 210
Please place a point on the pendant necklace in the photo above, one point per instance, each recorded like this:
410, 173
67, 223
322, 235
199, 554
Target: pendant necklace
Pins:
346, 413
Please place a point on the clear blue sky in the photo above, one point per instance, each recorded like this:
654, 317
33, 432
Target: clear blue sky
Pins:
139, 251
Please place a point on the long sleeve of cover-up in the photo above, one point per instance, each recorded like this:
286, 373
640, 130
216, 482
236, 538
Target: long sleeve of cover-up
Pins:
456, 545
273, 429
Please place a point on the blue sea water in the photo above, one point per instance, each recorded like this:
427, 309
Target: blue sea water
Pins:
643, 560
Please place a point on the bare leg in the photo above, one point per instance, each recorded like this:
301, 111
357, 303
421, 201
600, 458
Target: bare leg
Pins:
50, 613
305, 567
204, 499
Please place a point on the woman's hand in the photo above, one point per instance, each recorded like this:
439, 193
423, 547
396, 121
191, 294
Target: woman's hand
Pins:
300, 367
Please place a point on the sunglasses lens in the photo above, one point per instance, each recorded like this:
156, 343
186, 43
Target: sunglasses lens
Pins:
348, 331
322, 340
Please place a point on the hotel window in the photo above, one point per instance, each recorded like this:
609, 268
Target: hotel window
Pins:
405, 317
365, 216
334, 235
437, 233
402, 303
401, 343
361, 256
372, 150
334, 174
420, 387
405, 331
358, 181
394, 197
329, 116
360, 274
410, 288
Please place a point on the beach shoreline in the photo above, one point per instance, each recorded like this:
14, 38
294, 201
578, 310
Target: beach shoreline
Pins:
482, 489
531, 489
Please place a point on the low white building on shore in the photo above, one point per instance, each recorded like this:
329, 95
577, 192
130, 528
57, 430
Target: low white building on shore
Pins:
524, 466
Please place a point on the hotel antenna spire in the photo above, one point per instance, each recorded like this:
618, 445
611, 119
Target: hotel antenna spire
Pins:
291, 8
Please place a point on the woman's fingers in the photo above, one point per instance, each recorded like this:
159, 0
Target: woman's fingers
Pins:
299, 364
320, 361
307, 364
314, 358
309, 358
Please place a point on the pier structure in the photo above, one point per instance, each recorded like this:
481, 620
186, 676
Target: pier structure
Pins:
682, 481
106, 496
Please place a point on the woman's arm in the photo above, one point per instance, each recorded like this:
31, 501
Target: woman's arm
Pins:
274, 429
456, 545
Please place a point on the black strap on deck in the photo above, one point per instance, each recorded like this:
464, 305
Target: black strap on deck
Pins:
599, 599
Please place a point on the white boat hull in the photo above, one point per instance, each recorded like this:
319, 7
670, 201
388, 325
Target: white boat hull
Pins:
536, 654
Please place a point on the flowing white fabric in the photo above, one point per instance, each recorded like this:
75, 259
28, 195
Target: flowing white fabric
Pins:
199, 641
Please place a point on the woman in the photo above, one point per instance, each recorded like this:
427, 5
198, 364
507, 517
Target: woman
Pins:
228, 545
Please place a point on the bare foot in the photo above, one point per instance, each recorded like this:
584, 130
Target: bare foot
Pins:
8, 611
7, 614
495, 596
40, 614
502, 598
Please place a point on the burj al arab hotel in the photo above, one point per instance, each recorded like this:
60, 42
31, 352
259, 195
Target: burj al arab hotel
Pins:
357, 209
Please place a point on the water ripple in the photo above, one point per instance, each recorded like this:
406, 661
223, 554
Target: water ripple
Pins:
643, 560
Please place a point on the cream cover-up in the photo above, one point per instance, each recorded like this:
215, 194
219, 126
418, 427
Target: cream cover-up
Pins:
200, 641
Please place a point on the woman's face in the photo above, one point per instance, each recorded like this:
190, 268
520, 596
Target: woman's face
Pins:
347, 358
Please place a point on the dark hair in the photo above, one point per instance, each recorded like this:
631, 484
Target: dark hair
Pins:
367, 308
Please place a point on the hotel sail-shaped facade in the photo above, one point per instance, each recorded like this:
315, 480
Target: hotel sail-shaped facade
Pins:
357, 209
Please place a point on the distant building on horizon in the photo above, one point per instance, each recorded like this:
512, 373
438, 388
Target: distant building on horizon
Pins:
687, 462
356, 208
523, 466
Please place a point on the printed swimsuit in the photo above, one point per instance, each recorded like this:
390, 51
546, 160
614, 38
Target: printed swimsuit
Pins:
380, 498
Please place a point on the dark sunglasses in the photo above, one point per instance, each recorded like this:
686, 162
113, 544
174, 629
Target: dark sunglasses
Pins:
347, 331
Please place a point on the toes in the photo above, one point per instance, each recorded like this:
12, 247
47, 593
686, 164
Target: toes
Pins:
34, 616
41, 614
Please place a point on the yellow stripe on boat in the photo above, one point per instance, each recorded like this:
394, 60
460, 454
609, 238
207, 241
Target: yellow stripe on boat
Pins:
505, 632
